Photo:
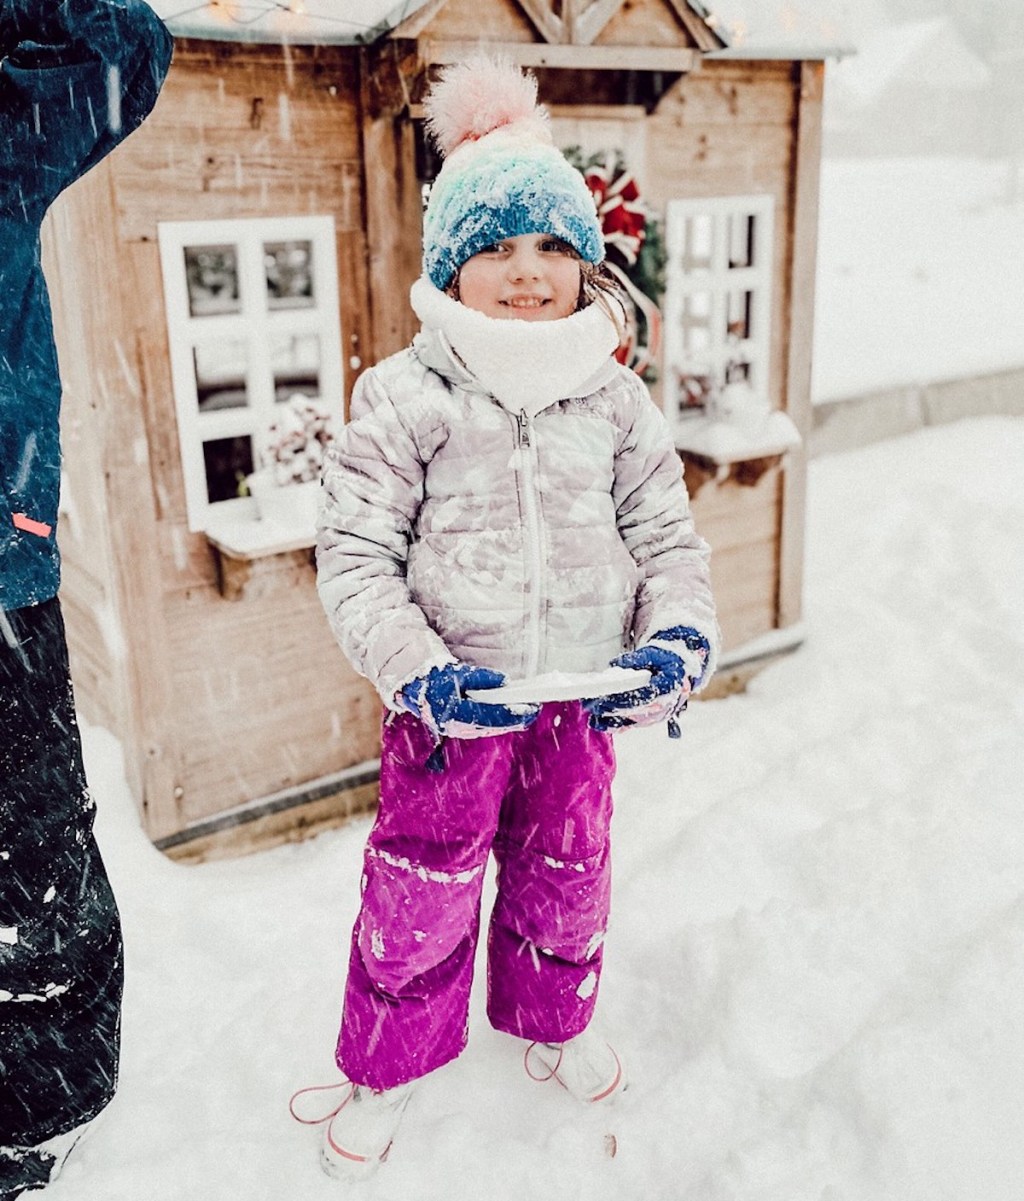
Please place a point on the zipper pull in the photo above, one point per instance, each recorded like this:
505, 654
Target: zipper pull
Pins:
524, 428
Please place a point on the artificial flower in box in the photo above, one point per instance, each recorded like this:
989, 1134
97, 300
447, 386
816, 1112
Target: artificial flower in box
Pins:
286, 489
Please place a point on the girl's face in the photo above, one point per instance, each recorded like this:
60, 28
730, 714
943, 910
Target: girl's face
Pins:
532, 277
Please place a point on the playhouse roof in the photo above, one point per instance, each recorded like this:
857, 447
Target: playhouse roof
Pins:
785, 29
755, 28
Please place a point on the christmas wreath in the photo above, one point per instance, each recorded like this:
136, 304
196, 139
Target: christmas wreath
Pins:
635, 251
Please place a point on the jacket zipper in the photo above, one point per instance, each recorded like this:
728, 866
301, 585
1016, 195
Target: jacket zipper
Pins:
532, 534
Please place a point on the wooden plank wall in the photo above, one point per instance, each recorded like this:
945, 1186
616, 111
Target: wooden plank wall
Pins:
394, 208
232, 700
83, 530
741, 524
272, 702
729, 129
803, 235
110, 587
460, 21
644, 23
220, 701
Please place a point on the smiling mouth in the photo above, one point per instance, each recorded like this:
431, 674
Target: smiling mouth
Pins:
526, 302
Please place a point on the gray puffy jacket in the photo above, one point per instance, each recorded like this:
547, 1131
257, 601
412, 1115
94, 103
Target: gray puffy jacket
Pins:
454, 526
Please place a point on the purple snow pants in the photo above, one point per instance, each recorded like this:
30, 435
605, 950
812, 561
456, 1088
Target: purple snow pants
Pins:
541, 800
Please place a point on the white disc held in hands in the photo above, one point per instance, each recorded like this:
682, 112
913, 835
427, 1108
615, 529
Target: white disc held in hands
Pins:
562, 686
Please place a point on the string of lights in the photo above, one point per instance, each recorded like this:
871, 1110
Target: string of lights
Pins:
247, 13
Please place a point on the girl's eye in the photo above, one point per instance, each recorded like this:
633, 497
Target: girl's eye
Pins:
494, 248
554, 246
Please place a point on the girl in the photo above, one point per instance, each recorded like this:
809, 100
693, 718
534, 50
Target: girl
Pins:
505, 502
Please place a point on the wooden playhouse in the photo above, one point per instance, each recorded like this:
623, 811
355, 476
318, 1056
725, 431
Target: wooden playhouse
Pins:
255, 242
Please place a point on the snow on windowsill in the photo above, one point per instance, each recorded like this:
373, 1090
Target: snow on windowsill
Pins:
734, 442
256, 538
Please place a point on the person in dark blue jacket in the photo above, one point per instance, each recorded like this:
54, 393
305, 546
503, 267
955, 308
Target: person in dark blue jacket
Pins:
76, 77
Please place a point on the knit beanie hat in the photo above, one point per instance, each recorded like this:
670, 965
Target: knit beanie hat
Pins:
502, 174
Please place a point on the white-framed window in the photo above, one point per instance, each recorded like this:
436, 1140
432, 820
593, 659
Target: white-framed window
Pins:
253, 319
717, 308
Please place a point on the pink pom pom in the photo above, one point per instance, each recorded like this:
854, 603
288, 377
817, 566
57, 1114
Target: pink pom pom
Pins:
478, 96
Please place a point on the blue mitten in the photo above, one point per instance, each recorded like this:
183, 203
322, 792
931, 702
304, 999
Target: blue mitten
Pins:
675, 672
438, 699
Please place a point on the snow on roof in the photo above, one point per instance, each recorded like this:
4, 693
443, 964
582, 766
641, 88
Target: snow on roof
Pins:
758, 28
921, 53
296, 21
784, 29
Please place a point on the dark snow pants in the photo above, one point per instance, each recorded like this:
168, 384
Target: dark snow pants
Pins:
540, 800
60, 936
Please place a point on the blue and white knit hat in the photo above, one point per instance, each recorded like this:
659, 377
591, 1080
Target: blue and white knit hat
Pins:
502, 174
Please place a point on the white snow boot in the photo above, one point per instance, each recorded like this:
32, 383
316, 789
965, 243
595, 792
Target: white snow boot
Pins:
360, 1124
586, 1066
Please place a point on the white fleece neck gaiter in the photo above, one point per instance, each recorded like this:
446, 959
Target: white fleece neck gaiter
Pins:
525, 365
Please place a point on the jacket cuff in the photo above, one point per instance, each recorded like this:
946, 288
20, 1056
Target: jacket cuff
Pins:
391, 686
698, 651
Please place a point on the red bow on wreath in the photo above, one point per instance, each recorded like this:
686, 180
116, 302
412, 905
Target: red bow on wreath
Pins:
624, 228
619, 210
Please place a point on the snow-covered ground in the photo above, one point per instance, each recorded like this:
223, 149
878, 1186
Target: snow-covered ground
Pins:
920, 267
816, 963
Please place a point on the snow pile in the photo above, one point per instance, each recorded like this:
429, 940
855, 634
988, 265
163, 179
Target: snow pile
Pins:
815, 969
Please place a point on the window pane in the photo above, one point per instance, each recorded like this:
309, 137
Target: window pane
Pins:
736, 370
228, 461
211, 273
697, 306
696, 338
698, 242
295, 362
741, 240
738, 314
693, 390
289, 272
221, 369
696, 322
